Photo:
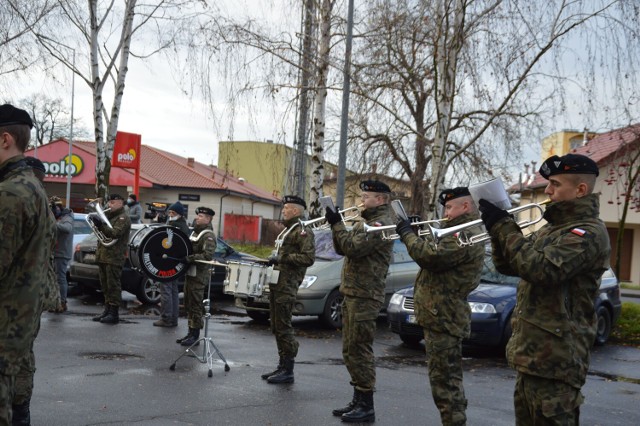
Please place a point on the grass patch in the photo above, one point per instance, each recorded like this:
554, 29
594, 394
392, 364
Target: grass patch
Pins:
627, 329
254, 249
629, 285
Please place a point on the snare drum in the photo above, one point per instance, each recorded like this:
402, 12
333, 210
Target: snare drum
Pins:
247, 279
155, 250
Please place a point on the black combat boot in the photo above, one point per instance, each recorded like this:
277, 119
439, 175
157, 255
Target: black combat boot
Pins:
112, 317
285, 375
182, 339
21, 414
192, 338
363, 411
265, 376
104, 313
350, 406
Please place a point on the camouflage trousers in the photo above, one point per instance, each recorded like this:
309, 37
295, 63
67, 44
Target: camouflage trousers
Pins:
193, 297
281, 308
358, 330
7, 391
539, 401
444, 352
110, 283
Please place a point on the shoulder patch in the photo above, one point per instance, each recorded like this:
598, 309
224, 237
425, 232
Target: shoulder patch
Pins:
578, 231
377, 224
210, 238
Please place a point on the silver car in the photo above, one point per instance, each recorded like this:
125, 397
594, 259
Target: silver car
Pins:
319, 295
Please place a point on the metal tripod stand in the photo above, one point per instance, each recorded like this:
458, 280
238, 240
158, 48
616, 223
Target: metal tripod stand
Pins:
207, 354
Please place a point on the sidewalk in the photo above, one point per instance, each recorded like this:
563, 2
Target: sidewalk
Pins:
629, 293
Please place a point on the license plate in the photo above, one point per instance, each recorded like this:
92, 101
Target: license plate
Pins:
411, 319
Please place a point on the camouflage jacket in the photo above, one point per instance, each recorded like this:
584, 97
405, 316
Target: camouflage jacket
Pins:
121, 227
204, 246
28, 231
367, 255
560, 266
298, 251
448, 274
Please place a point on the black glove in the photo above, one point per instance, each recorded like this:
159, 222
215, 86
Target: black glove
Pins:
403, 227
274, 259
332, 217
490, 213
415, 218
184, 260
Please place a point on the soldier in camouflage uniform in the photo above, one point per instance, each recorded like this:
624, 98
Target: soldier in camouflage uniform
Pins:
296, 253
448, 274
28, 231
554, 321
199, 274
366, 262
111, 259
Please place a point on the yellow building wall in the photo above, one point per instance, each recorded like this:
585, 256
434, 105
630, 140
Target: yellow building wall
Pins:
560, 143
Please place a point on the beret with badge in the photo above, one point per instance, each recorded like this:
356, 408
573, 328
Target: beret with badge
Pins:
569, 163
205, 210
293, 199
115, 197
375, 186
10, 115
453, 193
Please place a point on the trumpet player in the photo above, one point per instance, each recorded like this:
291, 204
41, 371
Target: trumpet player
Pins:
110, 259
296, 253
449, 272
367, 258
560, 265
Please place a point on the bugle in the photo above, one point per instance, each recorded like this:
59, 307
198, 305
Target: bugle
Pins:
320, 222
100, 214
394, 236
438, 234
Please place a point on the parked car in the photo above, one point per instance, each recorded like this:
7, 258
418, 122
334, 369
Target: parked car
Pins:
81, 228
84, 270
492, 304
318, 294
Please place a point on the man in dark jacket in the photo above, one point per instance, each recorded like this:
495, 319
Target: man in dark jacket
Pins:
295, 251
199, 274
560, 266
449, 272
367, 257
63, 249
169, 299
110, 258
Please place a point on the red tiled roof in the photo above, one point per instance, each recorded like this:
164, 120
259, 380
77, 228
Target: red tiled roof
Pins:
600, 149
163, 168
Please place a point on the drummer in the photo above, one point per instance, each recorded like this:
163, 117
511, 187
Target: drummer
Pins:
169, 301
296, 253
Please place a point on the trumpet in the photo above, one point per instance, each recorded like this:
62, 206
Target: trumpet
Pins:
394, 236
100, 214
320, 222
438, 234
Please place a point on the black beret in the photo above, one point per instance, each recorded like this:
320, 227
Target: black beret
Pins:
10, 115
134, 197
115, 197
450, 194
35, 164
569, 163
205, 210
374, 186
293, 199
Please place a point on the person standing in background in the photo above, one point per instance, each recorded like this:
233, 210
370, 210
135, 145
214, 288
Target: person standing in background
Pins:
63, 248
135, 209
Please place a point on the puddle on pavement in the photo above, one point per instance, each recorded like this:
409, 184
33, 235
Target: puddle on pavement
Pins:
108, 356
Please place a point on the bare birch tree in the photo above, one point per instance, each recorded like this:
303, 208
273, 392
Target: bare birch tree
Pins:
102, 34
51, 119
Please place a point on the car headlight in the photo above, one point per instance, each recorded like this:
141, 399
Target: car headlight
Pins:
308, 281
396, 299
482, 308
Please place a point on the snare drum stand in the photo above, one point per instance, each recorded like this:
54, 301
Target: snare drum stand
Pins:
207, 354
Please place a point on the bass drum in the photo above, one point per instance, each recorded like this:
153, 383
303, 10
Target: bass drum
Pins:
155, 250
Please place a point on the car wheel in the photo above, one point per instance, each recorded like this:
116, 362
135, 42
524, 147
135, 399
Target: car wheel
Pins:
332, 315
149, 292
258, 316
410, 339
603, 325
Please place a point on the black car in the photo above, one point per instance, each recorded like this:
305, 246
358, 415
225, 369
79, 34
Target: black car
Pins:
84, 270
492, 304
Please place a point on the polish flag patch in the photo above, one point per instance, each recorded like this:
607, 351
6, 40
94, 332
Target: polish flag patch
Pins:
578, 231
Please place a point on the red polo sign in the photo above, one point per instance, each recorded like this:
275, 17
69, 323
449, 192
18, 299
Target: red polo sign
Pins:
126, 152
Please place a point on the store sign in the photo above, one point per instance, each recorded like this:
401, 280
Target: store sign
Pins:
62, 167
126, 152
188, 197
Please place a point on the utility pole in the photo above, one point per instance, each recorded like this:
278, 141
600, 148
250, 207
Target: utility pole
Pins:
344, 122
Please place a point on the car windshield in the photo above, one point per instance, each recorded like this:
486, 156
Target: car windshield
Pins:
490, 274
324, 245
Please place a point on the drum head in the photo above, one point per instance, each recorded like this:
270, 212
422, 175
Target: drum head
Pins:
155, 251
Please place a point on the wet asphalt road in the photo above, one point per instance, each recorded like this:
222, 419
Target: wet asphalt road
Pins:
96, 374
